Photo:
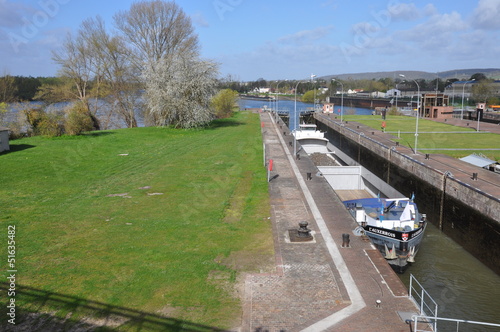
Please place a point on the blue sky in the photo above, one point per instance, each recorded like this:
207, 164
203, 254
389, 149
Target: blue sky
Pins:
280, 39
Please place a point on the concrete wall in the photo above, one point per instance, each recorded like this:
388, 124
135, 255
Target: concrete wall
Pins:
4, 139
469, 216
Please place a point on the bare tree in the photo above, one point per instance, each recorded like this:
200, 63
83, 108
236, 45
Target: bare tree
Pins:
157, 29
120, 80
8, 88
76, 64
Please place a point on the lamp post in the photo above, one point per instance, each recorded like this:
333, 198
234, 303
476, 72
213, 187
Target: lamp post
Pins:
397, 96
294, 120
277, 96
418, 111
314, 95
341, 100
463, 94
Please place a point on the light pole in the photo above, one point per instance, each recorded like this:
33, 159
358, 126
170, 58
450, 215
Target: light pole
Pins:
341, 100
314, 88
418, 111
277, 96
294, 120
463, 94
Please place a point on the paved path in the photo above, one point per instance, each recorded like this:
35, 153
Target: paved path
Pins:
318, 286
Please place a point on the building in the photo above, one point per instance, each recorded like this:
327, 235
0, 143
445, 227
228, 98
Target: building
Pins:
436, 106
4, 139
393, 93
328, 107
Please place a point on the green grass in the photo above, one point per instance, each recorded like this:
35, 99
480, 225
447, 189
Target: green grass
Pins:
171, 253
434, 135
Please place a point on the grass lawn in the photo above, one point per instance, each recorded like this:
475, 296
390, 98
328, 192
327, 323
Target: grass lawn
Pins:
158, 220
434, 135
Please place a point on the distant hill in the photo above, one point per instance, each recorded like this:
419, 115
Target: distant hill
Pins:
458, 73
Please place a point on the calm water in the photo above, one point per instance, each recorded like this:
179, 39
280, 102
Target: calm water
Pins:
461, 285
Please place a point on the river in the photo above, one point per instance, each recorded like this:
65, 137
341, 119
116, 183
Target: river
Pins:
290, 107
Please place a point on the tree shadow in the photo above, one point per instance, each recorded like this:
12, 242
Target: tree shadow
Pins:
222, 123
82, 315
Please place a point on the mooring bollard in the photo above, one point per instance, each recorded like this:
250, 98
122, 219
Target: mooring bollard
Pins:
309, 176
303, 231
345, 240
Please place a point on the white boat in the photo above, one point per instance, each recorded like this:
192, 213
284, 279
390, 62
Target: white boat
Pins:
394, 226
310, 138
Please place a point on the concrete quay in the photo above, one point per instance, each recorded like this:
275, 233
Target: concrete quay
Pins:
318, 285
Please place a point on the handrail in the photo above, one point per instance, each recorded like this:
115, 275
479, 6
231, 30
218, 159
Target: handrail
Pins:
425, 319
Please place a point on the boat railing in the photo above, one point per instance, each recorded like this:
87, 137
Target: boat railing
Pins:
427, 319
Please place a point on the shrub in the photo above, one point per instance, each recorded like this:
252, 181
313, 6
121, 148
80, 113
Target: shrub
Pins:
78, 120
224, 102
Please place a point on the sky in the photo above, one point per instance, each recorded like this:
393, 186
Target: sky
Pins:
281, 39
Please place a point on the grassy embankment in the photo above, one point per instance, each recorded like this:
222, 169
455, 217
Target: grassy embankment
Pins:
434, 135
175, 248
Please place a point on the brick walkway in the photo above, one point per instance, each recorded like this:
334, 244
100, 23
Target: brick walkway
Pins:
318, 285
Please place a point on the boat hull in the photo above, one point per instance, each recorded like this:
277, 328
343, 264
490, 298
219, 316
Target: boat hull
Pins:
404, 245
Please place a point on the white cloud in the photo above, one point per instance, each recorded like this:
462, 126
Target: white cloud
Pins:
199, 20
306, 35
486, 15
404, 12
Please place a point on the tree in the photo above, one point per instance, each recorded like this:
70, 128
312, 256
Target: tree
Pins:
478, 77
224, 102
118, 79
8, 89
157, 29
178, 91
482, 90
308, 97
164, 47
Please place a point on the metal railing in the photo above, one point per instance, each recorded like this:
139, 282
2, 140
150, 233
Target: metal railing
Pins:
428, 316
452, 323
426, 304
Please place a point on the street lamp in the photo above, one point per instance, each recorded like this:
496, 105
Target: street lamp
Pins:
418, 111
341, 100
463, 93
277, 96
314, 87
295, 121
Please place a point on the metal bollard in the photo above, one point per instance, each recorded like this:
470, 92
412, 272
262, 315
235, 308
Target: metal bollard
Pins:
345, 240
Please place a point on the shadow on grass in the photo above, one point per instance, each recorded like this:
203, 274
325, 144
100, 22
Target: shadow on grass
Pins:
17, 148
78, 314
222, 123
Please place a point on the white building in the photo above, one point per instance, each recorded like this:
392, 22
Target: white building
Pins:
393, 93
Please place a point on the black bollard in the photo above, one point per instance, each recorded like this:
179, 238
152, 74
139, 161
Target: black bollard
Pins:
345, 240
